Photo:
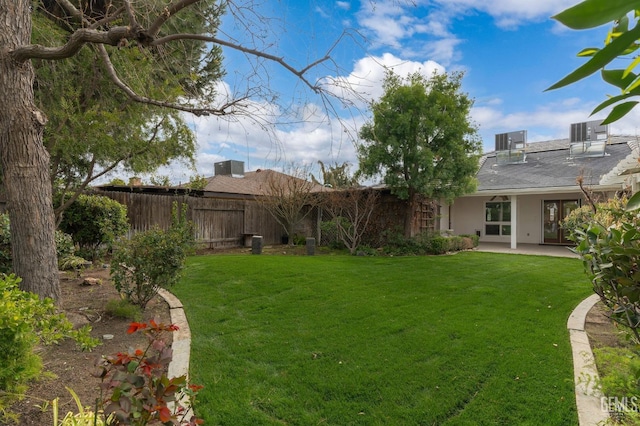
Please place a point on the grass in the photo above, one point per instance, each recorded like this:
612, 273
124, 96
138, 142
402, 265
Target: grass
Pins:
475, 338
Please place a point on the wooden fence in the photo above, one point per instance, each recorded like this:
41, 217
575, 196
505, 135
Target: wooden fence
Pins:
218, 222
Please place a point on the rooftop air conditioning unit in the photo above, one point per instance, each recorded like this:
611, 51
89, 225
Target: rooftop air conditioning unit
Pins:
229, 168
588, 139
510, 147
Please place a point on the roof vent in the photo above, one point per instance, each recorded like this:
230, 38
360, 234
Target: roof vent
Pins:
510, 147
229, 168
588, 139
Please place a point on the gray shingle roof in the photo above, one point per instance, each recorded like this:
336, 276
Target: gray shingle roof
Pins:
549, 165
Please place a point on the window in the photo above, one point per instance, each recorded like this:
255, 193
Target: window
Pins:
497, 218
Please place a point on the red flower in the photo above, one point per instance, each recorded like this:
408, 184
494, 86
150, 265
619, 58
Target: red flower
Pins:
173, 327
135, 326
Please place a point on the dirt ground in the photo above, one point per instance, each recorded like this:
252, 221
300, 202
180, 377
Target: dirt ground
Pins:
601, 330
67, 366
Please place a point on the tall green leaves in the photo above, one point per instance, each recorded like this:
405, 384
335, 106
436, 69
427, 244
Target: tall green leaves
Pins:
421, 139
621, 41
93, 126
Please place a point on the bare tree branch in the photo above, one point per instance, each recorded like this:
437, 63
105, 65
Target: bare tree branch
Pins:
258, 53
167, 13
79, 38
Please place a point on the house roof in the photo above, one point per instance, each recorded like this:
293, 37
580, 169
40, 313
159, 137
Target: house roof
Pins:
549, 167
253, 183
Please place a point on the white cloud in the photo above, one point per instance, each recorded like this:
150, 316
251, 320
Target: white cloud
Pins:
344, 5
369, 72
390, 24
546, 122
510, 13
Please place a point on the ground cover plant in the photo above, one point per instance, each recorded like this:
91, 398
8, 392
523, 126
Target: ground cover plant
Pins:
474, 338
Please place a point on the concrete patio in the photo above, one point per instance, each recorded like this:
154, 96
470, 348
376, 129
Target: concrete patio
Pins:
534, 249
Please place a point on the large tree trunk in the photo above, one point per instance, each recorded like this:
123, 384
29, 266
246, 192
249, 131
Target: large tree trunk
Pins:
410, 215
24, 160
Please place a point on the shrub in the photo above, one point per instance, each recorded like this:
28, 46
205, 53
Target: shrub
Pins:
330, 238
152, 259
428, 243
135, 387
608, 241
95, 222
439, 245
25, 321
65, 248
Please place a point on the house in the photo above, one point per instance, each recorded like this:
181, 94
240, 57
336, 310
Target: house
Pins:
225, 213
526, 189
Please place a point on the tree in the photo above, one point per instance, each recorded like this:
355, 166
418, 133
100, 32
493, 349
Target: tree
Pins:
421, 140
93, 129
108, 29
621, 41
336, 176
289, 198
350, 210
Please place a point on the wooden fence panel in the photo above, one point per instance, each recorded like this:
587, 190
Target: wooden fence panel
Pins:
217, 222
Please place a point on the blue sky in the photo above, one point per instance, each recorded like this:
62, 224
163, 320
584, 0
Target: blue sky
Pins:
510, 51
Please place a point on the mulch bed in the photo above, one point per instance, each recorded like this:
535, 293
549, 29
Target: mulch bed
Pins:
67, 366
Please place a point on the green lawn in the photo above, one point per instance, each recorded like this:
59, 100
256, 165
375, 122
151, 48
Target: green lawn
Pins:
475, 338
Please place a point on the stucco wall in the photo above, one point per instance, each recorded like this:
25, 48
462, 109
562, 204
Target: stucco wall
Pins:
466, 216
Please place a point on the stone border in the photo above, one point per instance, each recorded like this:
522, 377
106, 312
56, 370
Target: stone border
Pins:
181, 345
588, 404
590, 412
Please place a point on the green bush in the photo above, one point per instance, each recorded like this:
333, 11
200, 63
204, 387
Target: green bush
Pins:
152, 259
428, 243
329, 232
65, 248
25, 321
95, 222
64, 245
608, 241
439, 245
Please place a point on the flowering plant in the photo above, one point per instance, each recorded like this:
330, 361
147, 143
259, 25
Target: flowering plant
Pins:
136, 385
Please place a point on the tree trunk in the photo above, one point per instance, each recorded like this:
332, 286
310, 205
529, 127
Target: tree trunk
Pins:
410, 215
24, 160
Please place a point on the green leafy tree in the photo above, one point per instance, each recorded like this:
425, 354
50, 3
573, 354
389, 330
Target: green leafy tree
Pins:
336, 176
421, 140
198, 182
622, 41
93, 129
178, 36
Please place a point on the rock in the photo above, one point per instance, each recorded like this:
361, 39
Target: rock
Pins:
91, 281
78, 320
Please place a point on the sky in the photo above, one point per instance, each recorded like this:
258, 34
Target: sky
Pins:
509, 50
